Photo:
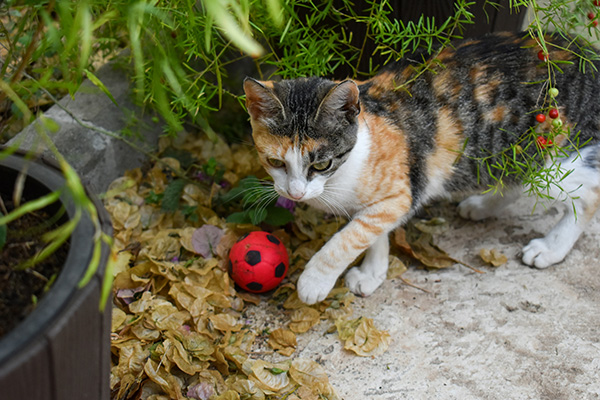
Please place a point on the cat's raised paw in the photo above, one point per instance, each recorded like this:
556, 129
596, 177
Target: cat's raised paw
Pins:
538, 254
314, 286
361, 283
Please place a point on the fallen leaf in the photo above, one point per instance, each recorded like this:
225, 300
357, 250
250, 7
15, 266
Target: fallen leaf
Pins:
118, 319
225, 322
420, 245
303, 319
284, 341
269, 376
310, 374
493, 256
362, 337
206, 239
168, 382
396, 267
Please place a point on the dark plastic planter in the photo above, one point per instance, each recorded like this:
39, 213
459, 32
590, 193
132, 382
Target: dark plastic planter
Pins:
61, 351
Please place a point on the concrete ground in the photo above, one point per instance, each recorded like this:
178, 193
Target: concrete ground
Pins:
512, 332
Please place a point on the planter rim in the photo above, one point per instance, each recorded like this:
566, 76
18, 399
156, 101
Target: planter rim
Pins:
47, 173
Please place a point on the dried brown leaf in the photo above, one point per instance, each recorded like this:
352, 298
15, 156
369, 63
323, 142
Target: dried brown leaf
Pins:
366, 341
311, 375
118, 319
225, 322
269, 376
303, 319
169, 383
284, 341
396, 267
493, 256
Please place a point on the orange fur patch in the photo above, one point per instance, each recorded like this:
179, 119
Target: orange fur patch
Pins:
385, 174
497, 114
484, 92
448, 139
269, 145
381, 84
444, 84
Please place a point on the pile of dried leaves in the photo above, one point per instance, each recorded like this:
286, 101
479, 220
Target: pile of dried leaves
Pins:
181, 329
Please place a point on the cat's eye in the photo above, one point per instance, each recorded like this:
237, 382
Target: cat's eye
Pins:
274, 162
322, 166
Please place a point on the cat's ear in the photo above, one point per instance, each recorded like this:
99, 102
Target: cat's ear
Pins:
343, 98
261, 102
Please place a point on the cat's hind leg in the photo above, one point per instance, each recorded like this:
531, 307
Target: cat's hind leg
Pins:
583, 186
482, 206
372, 273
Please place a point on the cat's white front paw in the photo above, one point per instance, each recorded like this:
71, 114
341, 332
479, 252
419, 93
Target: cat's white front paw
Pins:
540, 255
314, 286
361, 283
474, 208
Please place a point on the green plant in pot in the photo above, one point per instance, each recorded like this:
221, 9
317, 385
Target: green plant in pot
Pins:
61, 339
57, 345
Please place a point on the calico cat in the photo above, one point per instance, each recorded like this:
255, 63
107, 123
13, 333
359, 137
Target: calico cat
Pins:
378, 153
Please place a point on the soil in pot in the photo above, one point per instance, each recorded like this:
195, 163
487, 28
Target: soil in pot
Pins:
21, 289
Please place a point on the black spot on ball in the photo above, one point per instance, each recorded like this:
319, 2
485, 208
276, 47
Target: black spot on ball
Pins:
254, 286
252, 257
280, 270
243, 237
273, 239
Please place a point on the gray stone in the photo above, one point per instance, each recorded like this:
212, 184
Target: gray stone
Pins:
97, 157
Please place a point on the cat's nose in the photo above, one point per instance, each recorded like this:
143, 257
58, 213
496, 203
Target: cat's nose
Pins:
296, 195
296, 189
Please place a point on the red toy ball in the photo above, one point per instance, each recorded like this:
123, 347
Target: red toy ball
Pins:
258, 262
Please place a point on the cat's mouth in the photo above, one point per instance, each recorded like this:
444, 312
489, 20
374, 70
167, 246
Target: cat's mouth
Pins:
301, 195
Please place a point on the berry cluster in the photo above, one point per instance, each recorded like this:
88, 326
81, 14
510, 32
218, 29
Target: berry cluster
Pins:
592, 16
554, 115
552, 111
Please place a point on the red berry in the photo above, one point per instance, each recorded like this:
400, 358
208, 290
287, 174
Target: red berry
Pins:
596, 3
542, 56
553, 113
595, 22
541, 141
591, 15
540, 118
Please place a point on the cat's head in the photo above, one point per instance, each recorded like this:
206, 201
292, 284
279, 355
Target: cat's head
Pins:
303, 130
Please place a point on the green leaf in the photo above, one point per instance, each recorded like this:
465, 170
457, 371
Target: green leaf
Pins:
50, 124
94, 79
278, 216
242, 187
276, 371
153, 198
172, 194
238, 218
232, 29
257, 215
2, 236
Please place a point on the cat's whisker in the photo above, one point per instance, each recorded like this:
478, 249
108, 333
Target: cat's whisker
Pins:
257, 191
330, 200
264, 202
